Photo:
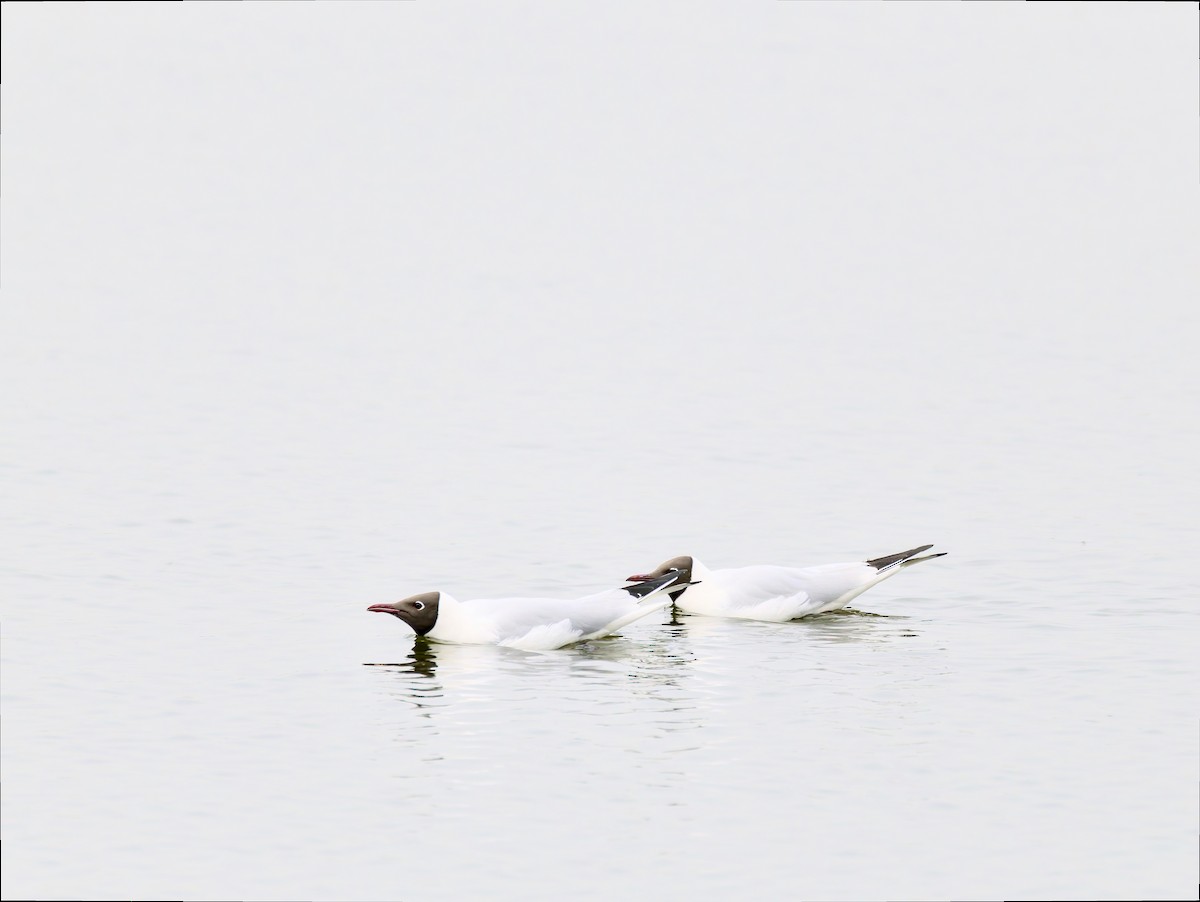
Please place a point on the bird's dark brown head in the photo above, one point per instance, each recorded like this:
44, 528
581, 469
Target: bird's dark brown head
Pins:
418, 611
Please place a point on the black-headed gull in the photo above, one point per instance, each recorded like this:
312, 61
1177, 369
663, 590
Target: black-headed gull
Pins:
776, 593
530, 623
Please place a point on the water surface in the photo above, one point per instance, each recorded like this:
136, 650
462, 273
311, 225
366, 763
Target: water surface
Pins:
313, 310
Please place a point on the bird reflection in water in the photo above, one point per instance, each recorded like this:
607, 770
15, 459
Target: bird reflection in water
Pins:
433, 672
422, 660
417, 683
844, 625
853, 625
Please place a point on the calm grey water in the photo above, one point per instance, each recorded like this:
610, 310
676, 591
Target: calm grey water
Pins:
308, 308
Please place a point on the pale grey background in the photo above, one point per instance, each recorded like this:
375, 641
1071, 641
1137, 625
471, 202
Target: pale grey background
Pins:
312, 306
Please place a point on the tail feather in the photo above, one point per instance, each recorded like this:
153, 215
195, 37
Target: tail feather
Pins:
650, 587
903, 558
917, 560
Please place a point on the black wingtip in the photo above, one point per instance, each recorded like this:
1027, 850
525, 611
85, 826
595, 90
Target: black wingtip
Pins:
880, 563
928, 557
645, 587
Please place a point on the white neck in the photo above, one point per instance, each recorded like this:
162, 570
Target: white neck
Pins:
705, 598
454, 623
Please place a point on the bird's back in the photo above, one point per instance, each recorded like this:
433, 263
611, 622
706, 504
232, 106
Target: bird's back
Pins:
772, 592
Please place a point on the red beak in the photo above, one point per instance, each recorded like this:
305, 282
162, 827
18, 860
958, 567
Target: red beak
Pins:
638, 578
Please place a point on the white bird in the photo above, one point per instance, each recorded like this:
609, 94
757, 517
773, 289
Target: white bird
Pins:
530, 623
776, 593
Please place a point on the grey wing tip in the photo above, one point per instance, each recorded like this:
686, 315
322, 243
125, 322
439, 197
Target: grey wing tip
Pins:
889, 560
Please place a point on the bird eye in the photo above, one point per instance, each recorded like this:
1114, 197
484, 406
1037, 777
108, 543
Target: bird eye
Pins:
419, 605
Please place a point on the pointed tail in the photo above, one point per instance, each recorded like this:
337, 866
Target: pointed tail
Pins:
904, 558
649, 587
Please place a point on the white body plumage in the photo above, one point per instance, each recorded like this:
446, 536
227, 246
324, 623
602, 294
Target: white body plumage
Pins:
777, 593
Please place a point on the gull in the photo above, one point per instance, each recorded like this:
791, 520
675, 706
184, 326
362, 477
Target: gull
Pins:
776, 593
534, 624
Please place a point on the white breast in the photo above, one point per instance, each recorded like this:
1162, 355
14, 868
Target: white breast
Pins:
708, 596
461, 622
